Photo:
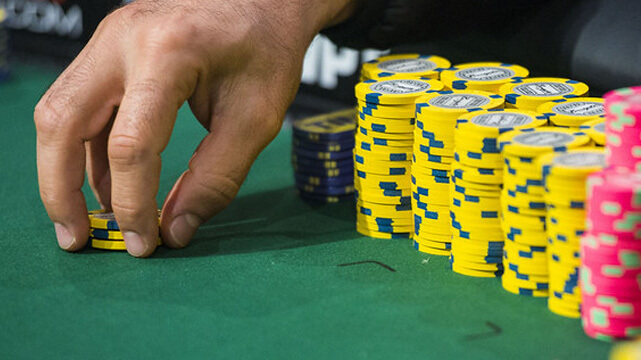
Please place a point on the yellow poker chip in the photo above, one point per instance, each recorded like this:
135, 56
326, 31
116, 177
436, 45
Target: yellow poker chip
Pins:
379, 141
110, 244
524, 201
407, 123
380, 170
575, 163
476, 158
595, 129
630, 350
445, 245
386, 228
372, 197
483, 76
526, 266
103, 219
520, 165
573, 112
477, 185
524, 221
369, 134
386, 127
429, 249
513, 279
494, 122
477, 175
514, 288
106, 234
450, 104
384, 211
474, 273
385, 112
434, 197
384, 221
529, 94
381, 235
475, 257
555, 307
382, 189
436, 235
405, 66
367, 177
534, 142
475, 265
566, 213
395, 91
430, 165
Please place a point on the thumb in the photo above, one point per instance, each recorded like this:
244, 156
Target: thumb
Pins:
216, 172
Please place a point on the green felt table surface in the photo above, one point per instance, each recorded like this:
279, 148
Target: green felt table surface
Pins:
261, 280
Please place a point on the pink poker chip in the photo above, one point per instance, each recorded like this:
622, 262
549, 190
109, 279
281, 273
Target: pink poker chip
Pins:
614, 203
623, 128
615, 307
603, 334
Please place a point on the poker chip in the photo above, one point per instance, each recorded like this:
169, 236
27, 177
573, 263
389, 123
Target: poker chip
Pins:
478, 176
566, 222
105, 233
395, 92
432, 167
573, 112
523, 202
626, 351
530, 93
623, 128
611, 256
383, 150
322, 156
483, 76
404, 66
110, 244
327, 128
595, 130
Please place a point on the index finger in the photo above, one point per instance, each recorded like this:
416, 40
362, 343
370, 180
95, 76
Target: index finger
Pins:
73, 110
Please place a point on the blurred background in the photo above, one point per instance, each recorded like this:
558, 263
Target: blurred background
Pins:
595, 41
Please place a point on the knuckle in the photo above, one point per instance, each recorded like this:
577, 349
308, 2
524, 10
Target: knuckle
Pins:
218, 188
174, 33
126, 149
126, 212
49, 117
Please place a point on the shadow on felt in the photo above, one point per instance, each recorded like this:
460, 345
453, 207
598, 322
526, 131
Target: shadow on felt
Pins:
270, 220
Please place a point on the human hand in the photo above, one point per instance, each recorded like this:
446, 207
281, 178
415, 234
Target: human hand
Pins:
112, 111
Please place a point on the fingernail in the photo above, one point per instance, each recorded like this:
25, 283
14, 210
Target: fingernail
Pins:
183, 229
65, 239
135, 245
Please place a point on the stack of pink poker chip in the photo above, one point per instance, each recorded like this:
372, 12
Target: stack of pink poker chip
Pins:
611, 256
623, 128
611, 248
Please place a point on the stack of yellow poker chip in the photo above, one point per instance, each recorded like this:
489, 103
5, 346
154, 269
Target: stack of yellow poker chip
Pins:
595, 130
523, 208
382, 154
564, 177
404, 66
432, 158
529, 94
477, 176
105, 233
573, 112
483, 76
